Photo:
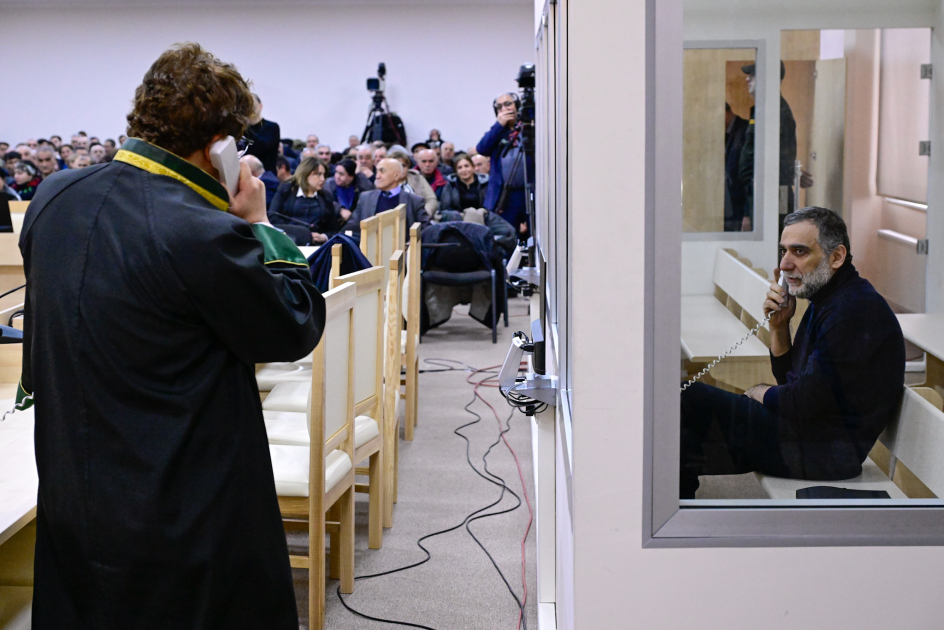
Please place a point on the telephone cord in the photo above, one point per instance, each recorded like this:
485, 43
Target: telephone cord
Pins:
751, 333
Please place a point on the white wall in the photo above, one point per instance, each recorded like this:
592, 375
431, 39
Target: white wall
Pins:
309, 64
728, 20
619, 584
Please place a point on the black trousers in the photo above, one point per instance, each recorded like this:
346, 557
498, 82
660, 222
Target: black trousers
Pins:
726, 434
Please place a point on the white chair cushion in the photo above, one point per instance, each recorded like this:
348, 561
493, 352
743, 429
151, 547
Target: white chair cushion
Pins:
288, 397
365, 430
271, 374
290, 466
287, 427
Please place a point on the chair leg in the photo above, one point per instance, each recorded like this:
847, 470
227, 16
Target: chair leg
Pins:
416, 390
346, 540
316, 573
410, 404
494, 311
396, 465
505, 301
375, 506
334, 538
391, 438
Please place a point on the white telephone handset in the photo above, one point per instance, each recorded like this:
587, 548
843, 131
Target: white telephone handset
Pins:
225, 159
783, 283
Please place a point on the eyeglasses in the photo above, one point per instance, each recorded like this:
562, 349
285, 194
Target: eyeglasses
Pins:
242, 145
506, 104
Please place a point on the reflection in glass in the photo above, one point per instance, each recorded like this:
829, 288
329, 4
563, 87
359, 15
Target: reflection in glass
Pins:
718, 163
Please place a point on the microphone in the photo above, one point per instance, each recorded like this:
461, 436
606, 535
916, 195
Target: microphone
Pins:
291, 219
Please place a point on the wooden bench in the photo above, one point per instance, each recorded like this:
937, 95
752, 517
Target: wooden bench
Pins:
915, 438
713, 323
926, 331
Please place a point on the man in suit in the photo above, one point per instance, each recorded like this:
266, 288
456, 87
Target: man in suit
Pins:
388, 195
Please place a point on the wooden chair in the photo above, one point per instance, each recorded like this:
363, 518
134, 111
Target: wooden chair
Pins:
318, 478
389, 232
410, 337
335, 264
282, 406
370, 240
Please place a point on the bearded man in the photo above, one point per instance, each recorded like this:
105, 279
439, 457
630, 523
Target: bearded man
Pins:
839, 382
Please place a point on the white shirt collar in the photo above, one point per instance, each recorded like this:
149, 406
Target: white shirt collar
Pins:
301, 193
394, 192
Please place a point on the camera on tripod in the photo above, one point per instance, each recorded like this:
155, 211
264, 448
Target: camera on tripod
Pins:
382, 124
526, 86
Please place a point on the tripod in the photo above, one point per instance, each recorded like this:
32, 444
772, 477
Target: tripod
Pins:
379, 109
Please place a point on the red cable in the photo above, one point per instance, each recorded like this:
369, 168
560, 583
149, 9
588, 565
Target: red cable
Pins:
524, 490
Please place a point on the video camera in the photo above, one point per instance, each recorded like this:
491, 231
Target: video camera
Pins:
526, 86
376, 84
382, 124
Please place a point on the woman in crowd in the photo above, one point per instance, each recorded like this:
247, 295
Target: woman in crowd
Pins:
346, 187
302, 208
25, 180
465, 188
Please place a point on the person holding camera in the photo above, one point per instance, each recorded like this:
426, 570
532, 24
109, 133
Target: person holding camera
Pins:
151, 293
506, 194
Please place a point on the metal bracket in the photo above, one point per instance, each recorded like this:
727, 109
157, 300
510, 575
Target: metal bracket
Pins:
924, 147
923, 246
927, 70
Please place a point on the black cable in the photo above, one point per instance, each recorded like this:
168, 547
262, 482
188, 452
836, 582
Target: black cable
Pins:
476, 515
3, 295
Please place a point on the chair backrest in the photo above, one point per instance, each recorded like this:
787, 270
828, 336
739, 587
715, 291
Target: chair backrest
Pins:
368, 331
412, 289
389, 228
916, 437
401, 227
335, 265
370, 239
395, 269
18, 207
331, 415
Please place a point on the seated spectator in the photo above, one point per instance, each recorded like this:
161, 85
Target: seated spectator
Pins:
56, 141
308, 152
389, 194
46, 161
94, 140
324, 154
365, 162
286, 154
80, 141
109, 144
434, 136
78, 160
65, 150
379, 153
416, 183
302, 208
97, 153
26, 153
416, 148
4, 147
122, 139
26, 179
346, 187
32, 143
287, 149
428, 165
353, 141
447, 155
10, 158
838, 381
5, 189
312, 141
465, 188
482, 163
283, 170
377, 144
270, 180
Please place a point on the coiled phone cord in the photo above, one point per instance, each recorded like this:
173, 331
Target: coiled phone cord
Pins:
750, 334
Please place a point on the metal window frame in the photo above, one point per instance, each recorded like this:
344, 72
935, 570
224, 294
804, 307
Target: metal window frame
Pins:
666, 523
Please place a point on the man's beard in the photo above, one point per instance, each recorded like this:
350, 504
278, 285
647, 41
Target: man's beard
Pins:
813, 281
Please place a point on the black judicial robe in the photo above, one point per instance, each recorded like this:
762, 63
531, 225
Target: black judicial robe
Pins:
147, 307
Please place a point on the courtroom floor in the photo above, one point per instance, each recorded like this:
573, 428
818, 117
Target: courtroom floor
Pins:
458, 589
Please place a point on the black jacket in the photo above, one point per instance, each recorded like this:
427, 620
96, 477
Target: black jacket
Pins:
451, 193
841, 382
300, 216
265, 143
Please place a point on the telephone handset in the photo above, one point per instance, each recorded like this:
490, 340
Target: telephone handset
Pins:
753, 331
225, 159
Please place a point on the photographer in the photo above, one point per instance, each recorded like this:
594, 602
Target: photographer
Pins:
151, 294
502, 144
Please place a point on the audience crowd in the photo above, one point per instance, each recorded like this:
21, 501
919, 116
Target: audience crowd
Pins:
314, 192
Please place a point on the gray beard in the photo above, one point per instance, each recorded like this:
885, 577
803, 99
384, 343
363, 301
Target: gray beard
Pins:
814, 280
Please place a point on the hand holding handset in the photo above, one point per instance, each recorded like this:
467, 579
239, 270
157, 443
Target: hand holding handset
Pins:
783, 283
225, 159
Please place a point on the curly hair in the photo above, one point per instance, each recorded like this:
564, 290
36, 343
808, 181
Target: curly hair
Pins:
187, 97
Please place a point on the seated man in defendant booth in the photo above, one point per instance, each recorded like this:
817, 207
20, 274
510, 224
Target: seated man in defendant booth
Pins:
839, 382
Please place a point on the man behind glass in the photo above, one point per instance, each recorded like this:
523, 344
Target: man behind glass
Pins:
839, 382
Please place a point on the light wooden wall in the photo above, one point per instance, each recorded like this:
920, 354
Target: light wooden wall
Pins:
707, 83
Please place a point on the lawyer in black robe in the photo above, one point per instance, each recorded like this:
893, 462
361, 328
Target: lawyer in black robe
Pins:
147, 307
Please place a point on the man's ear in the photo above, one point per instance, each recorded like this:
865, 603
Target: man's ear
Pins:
214, 140
838, 257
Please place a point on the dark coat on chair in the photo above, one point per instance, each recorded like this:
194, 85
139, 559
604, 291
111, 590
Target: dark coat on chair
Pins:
367, 207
